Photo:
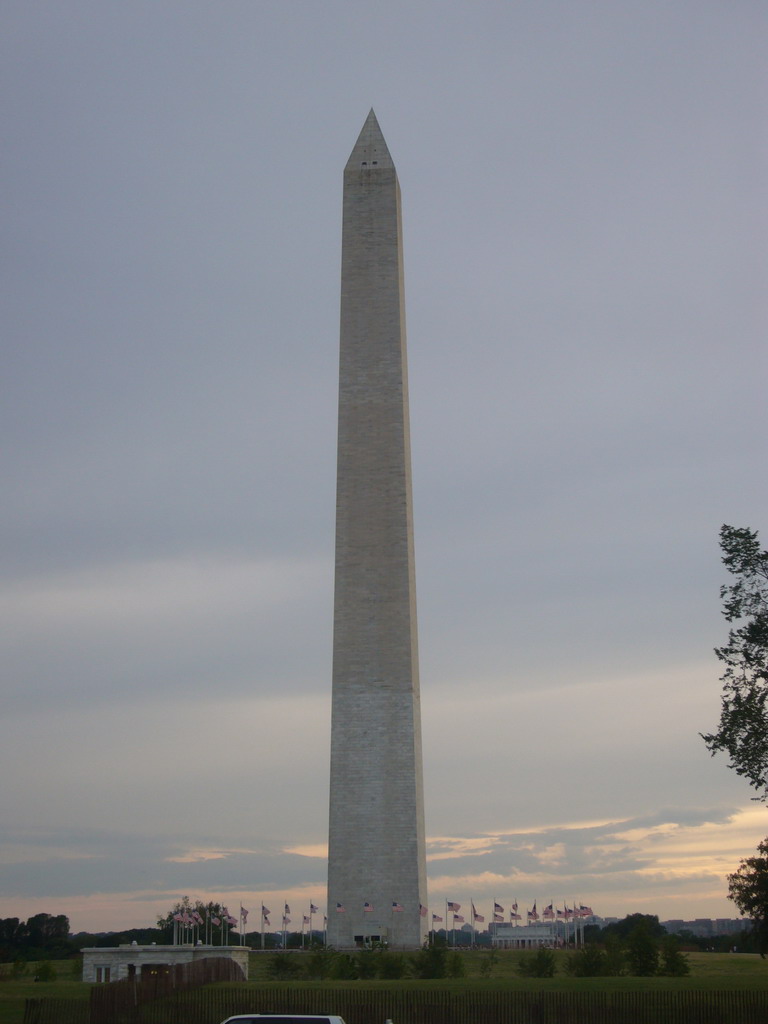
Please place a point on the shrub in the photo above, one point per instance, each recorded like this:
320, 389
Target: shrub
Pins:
455, 965
487, 963
344, 967
589, 962
392, 966
615, 961
431, 962
45, 971
280, 967
540, 964
673, 963
367, 963
320, 963
19, 969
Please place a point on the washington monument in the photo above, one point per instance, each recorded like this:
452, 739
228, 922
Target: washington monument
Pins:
376, 855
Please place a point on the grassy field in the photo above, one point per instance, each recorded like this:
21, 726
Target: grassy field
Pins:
15, 992
709, 971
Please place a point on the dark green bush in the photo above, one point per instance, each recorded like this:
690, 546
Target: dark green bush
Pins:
540, 964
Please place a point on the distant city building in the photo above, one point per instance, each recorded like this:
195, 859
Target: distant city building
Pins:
706, 927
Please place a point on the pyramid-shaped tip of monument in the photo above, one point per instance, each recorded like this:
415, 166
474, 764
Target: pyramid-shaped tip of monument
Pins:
370, 149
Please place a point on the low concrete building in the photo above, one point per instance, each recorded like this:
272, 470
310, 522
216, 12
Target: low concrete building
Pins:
114, 963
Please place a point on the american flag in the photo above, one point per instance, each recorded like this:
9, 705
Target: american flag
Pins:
497, 908
422, 910
340, 909
367, 907
396, 905
476, 916
498, 918
459, 918
436, 917
217, 921
548, 912
243, 914
313, 909
454, 906
586, 911
286, 919
513, 908
287, 909
266, 922
306, 919
265, 911
533, 914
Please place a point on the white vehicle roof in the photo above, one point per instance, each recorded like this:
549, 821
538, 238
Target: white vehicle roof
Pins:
285, 1018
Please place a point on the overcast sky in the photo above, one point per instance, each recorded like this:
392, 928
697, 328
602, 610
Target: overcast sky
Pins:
584, 199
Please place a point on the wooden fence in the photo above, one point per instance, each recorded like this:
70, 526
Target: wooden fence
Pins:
420, 1006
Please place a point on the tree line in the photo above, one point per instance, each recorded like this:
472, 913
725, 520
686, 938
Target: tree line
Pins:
41, 937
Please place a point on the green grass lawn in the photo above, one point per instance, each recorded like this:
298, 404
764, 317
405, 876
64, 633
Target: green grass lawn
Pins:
709, 971
14, 993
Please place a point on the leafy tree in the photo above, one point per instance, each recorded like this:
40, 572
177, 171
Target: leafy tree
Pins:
487, 963
615, 960
343, 967
392, 966
455, 965
748, 888
281, 967
674, 964
743, 729
432, 961
588, 962
19, 969
185, 905
367, 964
320, 962
623, 929
43, 936
642, 952
45, 971
540, 964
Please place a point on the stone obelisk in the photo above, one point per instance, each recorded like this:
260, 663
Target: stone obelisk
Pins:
376, 855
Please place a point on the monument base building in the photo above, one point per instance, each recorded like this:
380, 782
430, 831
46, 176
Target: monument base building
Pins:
129, 960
